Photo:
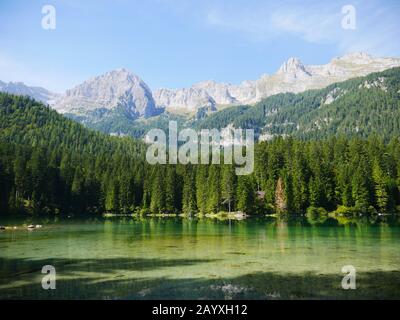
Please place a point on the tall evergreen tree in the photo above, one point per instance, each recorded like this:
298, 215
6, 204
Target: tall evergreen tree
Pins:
214, 189
157, 203
380, 182
201, 189
228, 186
245, 195
189, 192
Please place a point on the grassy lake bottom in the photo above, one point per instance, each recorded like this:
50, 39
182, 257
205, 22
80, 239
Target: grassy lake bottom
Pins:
174, 258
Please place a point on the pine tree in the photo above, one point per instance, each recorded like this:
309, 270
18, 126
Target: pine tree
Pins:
361, 186
228, 186
112, 201
245, 195
189, 193
77, 191
344, 188
21, 179
157, 202
214, 190
299, 189
127, 191
289, 193
92, 194
38, 176
201, 189
381, 194
4, 190
316, 192
171, 191
146, 194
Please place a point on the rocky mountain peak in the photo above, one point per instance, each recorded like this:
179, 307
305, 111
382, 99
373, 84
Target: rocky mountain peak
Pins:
291, 65
117, 88
111, 83
121, 74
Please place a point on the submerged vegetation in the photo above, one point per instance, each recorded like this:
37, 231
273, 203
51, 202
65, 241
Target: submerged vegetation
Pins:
50, 164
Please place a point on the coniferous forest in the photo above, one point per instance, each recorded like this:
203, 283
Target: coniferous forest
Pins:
52, 165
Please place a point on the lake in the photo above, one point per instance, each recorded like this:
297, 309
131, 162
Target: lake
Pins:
177, 258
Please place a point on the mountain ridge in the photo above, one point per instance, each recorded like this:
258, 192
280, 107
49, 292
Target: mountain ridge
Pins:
360, 106
292, 76
122, 96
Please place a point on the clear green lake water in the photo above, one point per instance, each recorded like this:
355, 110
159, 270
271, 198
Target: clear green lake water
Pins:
174, 258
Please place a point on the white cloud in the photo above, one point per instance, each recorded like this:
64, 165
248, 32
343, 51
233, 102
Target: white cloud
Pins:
377, 28
311, 26
254, 24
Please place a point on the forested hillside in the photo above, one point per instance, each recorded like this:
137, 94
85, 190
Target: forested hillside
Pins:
358, 107
50, 164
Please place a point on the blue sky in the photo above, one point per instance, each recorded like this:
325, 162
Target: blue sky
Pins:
175, 43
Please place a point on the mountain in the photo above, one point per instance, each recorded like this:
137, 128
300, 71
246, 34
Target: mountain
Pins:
361, 106
37, 93
120, 103
292, 76
114, 94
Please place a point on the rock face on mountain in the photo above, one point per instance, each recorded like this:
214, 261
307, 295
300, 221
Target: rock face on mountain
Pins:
292, 76
115, 91
37, 93
189, 100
